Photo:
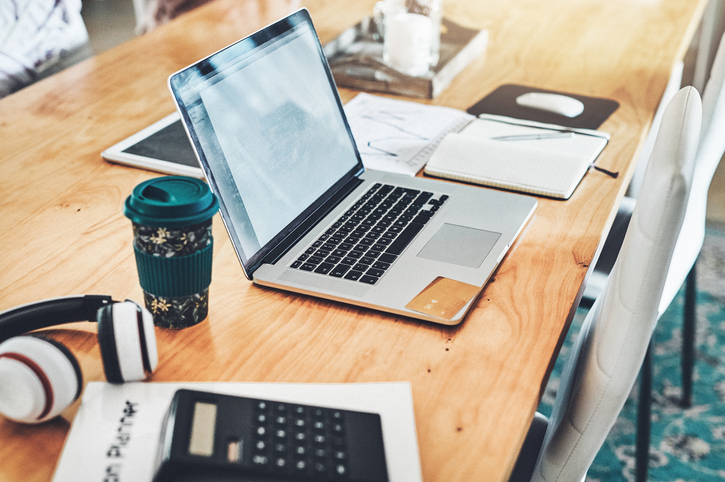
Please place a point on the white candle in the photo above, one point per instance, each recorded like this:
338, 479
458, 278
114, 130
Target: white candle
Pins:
408, 42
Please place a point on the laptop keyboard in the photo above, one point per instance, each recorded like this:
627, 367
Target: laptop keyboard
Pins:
368, 238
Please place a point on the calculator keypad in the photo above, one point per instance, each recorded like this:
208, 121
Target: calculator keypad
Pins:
300, 440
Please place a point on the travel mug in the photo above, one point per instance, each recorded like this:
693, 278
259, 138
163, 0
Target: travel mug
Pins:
173, 243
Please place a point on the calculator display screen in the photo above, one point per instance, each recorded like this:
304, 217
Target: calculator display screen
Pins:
203, 427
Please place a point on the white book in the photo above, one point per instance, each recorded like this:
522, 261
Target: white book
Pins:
519, 155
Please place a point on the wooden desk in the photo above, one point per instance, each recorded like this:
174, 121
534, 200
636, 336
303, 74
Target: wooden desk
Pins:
476, 386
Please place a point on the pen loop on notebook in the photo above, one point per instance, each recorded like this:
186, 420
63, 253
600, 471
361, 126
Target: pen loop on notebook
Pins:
613, 174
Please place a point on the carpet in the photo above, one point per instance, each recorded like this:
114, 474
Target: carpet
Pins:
686, 445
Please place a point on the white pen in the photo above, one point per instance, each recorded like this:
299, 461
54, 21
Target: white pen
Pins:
534, 137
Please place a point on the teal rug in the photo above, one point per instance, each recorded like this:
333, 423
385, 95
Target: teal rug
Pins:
686, 445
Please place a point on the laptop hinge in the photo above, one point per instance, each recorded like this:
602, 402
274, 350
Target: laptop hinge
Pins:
312, 221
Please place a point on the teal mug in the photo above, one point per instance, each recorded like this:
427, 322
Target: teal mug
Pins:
173, 245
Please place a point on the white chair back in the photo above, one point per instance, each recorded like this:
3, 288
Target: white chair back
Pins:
606, 358
710, 151
673, 86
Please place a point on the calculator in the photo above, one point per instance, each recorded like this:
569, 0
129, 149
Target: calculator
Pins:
213, 437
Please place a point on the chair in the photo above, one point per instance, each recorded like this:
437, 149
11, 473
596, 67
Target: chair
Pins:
684, 262
682, 270
605, 360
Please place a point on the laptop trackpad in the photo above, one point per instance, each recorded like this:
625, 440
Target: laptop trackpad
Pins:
460, 245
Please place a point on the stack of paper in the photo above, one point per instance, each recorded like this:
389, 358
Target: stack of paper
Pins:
399, 136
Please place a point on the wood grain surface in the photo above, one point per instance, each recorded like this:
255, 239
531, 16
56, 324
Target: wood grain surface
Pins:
475, 386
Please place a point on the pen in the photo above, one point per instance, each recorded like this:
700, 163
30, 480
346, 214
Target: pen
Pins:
534, 137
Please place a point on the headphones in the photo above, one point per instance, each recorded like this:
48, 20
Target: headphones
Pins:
39, 377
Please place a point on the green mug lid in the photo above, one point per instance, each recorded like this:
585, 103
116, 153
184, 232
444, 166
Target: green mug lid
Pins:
171, 201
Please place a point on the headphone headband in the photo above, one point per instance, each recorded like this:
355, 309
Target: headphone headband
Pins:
50, 312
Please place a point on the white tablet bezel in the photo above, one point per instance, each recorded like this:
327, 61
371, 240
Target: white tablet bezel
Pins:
115, 154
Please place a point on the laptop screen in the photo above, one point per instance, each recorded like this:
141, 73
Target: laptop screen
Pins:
267, 123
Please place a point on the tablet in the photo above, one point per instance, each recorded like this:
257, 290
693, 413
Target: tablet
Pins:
162, 147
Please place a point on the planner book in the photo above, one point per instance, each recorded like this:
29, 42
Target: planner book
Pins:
518, 155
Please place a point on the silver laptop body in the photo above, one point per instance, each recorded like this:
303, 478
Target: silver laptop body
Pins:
267, 124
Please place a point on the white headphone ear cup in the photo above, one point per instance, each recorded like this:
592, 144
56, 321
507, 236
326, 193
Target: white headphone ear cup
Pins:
128, 342
151, 348
39, 378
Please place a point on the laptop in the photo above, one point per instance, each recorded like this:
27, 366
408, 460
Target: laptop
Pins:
304, 215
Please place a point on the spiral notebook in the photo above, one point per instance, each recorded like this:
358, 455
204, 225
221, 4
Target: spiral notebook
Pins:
519, 155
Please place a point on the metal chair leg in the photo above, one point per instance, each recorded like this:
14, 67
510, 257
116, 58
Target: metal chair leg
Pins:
644, 411
688, 336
